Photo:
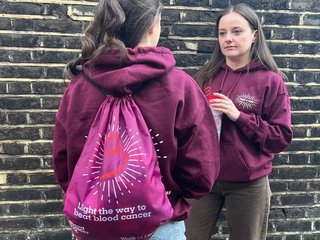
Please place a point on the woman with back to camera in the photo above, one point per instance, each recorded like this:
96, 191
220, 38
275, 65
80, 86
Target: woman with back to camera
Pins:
119, 54
250, 91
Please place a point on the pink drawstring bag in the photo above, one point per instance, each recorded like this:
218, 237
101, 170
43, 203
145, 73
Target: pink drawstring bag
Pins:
116, 192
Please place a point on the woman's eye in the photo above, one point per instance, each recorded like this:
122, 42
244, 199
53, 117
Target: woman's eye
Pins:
236, 32
221, 34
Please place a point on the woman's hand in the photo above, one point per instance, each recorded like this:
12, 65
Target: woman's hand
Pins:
222, 103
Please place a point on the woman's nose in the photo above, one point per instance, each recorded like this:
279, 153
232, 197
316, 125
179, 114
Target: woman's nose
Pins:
228, 37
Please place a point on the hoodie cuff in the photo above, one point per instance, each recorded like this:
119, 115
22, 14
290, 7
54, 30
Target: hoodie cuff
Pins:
242, 119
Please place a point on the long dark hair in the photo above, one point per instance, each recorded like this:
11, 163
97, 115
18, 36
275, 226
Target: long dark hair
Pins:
118, 24
259, 49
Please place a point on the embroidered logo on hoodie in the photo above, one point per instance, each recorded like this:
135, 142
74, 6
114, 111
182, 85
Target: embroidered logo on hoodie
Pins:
247, 101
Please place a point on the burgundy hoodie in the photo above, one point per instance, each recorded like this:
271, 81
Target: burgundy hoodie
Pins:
173, 107
247, 146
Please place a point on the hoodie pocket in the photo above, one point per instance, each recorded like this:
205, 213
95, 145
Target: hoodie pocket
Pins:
233, 168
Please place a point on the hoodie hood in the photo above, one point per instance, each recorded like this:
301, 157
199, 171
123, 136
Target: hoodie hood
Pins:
253, 66
142, 64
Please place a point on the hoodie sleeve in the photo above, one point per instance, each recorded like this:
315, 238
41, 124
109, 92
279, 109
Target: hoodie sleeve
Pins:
60, 155
198, 151
60, 143
272, 132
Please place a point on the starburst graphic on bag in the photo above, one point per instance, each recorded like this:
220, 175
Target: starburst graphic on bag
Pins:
247, 101
117, 163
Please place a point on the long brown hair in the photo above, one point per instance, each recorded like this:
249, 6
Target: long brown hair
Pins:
259, 49
118, 24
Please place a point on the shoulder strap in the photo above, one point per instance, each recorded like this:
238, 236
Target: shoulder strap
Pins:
94, 84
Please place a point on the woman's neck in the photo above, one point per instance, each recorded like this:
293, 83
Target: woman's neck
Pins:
236, 64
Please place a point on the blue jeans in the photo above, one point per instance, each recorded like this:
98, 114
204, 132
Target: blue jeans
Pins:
170, 231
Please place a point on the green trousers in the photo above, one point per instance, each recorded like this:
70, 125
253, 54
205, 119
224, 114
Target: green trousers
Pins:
247, 210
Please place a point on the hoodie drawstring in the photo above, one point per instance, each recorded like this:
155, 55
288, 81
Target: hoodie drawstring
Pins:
233, 86
223, 80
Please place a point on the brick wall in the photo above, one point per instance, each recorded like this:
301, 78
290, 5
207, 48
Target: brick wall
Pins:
37, 37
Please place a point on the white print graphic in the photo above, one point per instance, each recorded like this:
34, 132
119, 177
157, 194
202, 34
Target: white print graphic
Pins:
138, 238
114, 180
247, 101
82, 211
77, 228
156, 144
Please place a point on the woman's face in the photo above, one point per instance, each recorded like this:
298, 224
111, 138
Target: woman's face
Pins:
235, 38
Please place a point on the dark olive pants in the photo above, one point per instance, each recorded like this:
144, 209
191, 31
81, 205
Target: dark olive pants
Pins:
247, 210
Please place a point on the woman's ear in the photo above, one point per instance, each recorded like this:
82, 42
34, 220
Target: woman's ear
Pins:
153, 24
255, 34
152, 35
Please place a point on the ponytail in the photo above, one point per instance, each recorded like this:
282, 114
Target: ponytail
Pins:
99, 36
117, 24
